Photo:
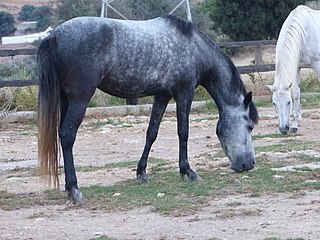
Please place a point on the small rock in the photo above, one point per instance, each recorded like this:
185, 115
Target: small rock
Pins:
315, 115
264, 224
278, 177
161, 195
311, 181
98, 233
39, 219
116, 194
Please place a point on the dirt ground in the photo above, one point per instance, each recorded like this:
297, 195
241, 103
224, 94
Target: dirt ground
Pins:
284, 215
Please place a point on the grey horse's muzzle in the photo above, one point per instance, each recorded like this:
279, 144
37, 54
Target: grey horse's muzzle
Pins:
242, 166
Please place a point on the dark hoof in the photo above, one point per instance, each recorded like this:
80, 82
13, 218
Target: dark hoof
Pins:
75, 196
191, 176
142, 178
293, 130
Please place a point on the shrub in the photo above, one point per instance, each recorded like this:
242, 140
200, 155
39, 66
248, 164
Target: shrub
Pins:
249, 20
6, 24
25, 98
40, 14
26, 13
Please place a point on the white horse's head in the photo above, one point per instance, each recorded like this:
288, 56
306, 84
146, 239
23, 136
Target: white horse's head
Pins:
282, 101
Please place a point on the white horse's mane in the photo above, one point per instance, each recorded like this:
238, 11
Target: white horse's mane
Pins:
290, 41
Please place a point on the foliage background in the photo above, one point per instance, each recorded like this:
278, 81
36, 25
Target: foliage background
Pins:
6, 24
243, 20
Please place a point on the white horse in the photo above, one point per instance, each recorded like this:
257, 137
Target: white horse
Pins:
298, 46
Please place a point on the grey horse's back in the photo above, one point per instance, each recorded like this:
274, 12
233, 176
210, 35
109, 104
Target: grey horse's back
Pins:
124, 54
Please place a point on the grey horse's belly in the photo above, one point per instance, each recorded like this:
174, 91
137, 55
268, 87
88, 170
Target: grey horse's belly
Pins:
131, 86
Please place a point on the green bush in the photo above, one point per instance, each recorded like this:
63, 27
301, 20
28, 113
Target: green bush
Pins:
25, 98
26, 13
249, 20
311, 84
33, 13
40, 14
67, 9
6, 24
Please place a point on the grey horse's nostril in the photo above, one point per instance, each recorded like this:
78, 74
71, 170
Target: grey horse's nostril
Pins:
245, 169
248, 167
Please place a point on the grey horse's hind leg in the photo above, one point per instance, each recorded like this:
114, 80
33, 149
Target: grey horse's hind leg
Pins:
72, 119
159, 105
75, 195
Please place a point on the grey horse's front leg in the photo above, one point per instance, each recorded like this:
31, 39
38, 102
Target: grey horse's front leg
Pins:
183, 110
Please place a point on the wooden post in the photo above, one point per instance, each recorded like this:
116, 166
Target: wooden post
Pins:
258, 57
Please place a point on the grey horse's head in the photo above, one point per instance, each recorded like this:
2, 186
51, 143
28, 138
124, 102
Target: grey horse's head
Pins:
234, 130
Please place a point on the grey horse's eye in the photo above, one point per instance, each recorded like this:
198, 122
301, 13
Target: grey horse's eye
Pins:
273, 104
289, 103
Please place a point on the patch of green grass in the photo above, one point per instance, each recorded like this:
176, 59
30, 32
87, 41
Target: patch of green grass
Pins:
313, 185
310, 101
182, 197
103, 238
265, 163
167, 193
126, 164
276, 238
177, 194
274, 135
287, 146
264, 181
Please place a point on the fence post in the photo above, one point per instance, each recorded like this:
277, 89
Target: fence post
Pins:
258, 56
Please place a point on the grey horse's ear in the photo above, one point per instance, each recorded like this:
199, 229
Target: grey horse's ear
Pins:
247, 99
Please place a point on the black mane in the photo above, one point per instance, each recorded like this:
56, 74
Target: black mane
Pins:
184, 26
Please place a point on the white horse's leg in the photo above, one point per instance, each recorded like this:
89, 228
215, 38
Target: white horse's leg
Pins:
296, 104
316, 68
